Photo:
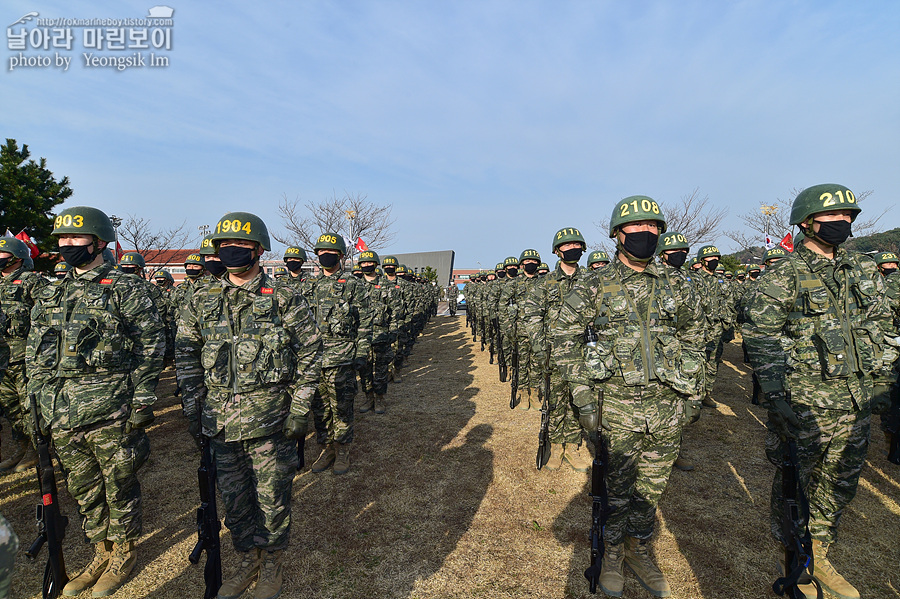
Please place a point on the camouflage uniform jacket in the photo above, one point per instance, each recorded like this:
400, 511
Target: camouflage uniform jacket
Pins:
17, 297
95, 349
512, 299
385, 306
542, 306
814, 323
714, 301
647, 324
403, 293
250, 353
343, 316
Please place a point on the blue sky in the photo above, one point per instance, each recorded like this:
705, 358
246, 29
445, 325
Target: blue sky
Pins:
487, 125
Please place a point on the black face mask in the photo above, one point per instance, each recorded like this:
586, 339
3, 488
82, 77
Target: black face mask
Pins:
357, 274
4, 262
572, 256
132, 270
237, 259
530, 268
676, 259
368, 269
193, 272
60, 275
888, 271
640, 245
754, 275
328, 261
711, 265
501, 274
389, 270
833, 232
215, 268
294, 265
512, 272
76, 255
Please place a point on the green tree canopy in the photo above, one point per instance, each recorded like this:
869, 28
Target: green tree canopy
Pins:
28, 194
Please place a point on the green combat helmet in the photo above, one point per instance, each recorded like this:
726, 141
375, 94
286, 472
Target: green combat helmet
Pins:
163, 275
280, 271
543, 268
16, 247
775, 254
529, 254
673, 240
598, 257
193, 260
207, 247
356, 271
567, 235
885, 258
84, 220
708, 251
193, 266
133, 259
368, 256
823, 198
633, 209
729, 274
401, 269
294, 252
60, 270
242, 225
330, 241
390, 261
720, 270
498, 267
108, 256
510, 261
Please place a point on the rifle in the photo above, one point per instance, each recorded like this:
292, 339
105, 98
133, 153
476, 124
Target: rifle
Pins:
482, 338
208, 525
599, 507
501, 358
798, 556
51, 523
893, 425
514, 381
490, 326
543, 452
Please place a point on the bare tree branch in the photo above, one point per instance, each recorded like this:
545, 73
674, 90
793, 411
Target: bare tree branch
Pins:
137, 233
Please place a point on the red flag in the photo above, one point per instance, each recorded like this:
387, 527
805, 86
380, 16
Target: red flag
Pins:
361, 245
32, 246
119, 252
787, 243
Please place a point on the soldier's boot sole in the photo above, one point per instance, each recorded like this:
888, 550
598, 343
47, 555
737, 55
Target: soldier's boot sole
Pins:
325, 459
683, 464
28, 461
557, 451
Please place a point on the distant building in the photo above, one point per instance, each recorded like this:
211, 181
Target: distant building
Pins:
441, 262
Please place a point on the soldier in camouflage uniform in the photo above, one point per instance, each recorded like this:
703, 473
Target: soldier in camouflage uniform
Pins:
9, 545
248, 356
543, 269
887, 264
647, 360
294, 257
338, 301
821, 338
400, 318
164, 282
507, 309
529, 382
94, 354
384, 303
19, 287
541, 310
597, 259
717, 306
194, 270
774, 255
60, 270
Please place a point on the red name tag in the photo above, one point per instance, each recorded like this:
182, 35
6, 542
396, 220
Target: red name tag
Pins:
266, 290
342, 280
17, 281
106, 281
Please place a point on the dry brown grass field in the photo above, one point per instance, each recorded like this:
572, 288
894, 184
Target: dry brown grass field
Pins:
443, 500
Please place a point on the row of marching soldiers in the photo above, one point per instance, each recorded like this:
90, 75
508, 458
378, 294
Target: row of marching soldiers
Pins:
627, 351
254, 357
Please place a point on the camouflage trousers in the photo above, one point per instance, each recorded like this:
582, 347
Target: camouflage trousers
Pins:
332, 405
14, 401
403, 344
255, 479
9, 545
644, 438
529, 365
564, 426
373, 377
102, 463
714, 351
831, 451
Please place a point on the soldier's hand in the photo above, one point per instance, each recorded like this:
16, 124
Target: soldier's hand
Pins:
694, 407
782, 416
881, 398
295, 426
139, 418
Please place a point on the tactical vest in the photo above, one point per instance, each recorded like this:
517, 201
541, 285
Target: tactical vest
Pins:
335, 316
18, 311
91, 340
250, 353
831, 334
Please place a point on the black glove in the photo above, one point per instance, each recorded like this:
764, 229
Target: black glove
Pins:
589, 418
295, 426
139, 418
782, 417
881, 398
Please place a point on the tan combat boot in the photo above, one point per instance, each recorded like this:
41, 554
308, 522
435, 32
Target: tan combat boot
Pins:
28, 461
246, 573
578, 457
827, 576
524, 400
395, 374
367, 403
612, 576
379, 404
683, 464
102, 553
556, 456
121, 563
270, 576
638, 560
325, 459
12, 461
342, 459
